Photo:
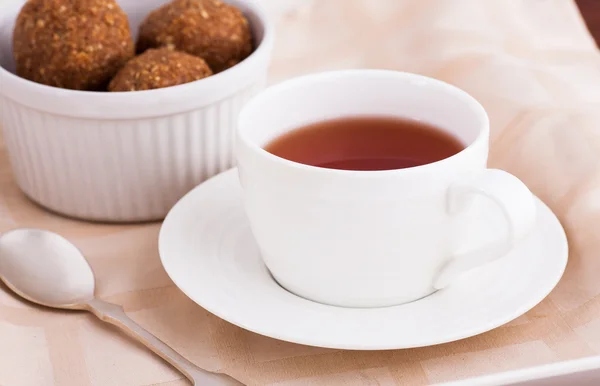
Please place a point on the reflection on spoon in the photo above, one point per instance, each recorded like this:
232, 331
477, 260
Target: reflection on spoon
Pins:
47, 269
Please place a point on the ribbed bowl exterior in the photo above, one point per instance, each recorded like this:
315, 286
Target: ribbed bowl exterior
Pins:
119, 170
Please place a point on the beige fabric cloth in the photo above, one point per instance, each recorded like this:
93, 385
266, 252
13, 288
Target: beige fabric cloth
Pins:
536, 70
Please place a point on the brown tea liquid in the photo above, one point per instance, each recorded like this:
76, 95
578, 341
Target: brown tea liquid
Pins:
366, 143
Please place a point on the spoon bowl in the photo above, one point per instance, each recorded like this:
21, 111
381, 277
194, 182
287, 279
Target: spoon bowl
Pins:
45, 268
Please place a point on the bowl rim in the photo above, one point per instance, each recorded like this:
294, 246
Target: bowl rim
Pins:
146, 103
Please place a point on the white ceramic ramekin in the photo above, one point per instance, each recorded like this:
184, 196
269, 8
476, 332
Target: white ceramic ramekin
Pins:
124, 156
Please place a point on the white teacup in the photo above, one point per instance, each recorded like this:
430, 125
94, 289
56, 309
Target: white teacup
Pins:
371, 238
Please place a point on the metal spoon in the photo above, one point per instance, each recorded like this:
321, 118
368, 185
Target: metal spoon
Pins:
47, 269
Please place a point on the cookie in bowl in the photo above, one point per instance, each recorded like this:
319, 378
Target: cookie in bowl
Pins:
158, 68
211, 29
72, 44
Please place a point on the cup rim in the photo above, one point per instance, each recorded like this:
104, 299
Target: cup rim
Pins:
144, 103
482, 136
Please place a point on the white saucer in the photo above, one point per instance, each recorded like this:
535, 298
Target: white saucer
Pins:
208, 250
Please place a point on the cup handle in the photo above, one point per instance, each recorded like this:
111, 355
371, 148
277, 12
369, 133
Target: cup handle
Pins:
518, 207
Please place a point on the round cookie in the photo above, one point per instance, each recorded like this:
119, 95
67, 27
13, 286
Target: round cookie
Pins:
73, 44
158, 68
215, 31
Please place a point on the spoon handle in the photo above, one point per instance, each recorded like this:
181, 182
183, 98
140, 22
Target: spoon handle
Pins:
114, 314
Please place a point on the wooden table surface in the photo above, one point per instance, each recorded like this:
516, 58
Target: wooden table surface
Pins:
590, 9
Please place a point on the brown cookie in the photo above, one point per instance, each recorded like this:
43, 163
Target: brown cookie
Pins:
158, 68
74, 44
215, 31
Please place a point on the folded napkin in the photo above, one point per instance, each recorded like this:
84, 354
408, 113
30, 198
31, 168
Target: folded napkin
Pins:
536, 70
